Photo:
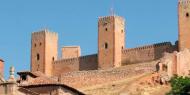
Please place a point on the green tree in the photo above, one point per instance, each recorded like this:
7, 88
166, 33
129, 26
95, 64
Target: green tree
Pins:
180, 86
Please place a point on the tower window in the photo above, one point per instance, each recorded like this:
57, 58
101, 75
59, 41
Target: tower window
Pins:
38, 56
40, 43
106, 29
187, 14
106, 45
122, 31
53, 59
34, 45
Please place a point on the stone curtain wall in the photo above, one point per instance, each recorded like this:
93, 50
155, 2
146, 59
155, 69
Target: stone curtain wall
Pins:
65, 65
88, 78
145, 53
88, 62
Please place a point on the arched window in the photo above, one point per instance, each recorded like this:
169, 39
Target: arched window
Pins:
38, 56
106, 45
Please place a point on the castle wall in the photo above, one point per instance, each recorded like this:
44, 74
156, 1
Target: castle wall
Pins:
65, 65
88, 62
89, 78
145, 53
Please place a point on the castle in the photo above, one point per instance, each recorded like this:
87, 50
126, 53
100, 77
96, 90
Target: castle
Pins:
112, 53
111, 47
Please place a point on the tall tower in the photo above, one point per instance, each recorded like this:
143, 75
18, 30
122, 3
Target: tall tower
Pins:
111, 41
44, 47
184, 24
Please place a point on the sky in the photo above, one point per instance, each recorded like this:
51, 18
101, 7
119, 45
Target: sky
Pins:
147, 22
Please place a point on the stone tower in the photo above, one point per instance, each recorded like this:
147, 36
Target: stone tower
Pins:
111, 41
184, 24
44, 48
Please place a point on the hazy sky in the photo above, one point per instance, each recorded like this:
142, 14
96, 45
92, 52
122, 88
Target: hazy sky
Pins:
147, 22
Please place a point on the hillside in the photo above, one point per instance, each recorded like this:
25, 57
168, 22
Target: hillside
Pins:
134, 79
130, 86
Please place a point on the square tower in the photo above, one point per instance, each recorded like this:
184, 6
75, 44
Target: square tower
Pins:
71, 52
44, 46
184, 24
111, 41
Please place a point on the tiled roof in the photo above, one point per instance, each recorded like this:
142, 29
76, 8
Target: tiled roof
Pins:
35, 74
60, 85
41, 80
38, 78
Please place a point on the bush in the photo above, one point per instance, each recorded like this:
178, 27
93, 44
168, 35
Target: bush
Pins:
180, 86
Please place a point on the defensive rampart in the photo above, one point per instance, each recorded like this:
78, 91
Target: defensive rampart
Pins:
88, 78
88, 62
145, 53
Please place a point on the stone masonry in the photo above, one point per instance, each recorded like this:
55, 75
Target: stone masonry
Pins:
184, 24
111, 47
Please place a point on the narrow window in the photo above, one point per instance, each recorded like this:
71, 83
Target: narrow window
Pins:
106, 45
34, 45
106, 29
53, 58
40, 43
38, 56
122, 31
187, 14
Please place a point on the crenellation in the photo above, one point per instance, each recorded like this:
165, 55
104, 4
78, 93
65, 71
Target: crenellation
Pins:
87, 56
45, 31
184, 1
147, 47
63, 61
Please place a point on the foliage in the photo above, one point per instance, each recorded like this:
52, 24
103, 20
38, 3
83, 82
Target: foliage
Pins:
180, 86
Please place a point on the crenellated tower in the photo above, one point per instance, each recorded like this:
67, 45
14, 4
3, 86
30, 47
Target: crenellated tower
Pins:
44, 50
184, 24
111, 41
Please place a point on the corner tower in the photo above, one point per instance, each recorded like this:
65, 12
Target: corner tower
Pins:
111, 41
184, 24
44, 47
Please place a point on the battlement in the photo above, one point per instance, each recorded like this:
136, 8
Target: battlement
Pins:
105, 18
147, 47
70, 60
45, 32
66, 61
184, 2
86, 57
